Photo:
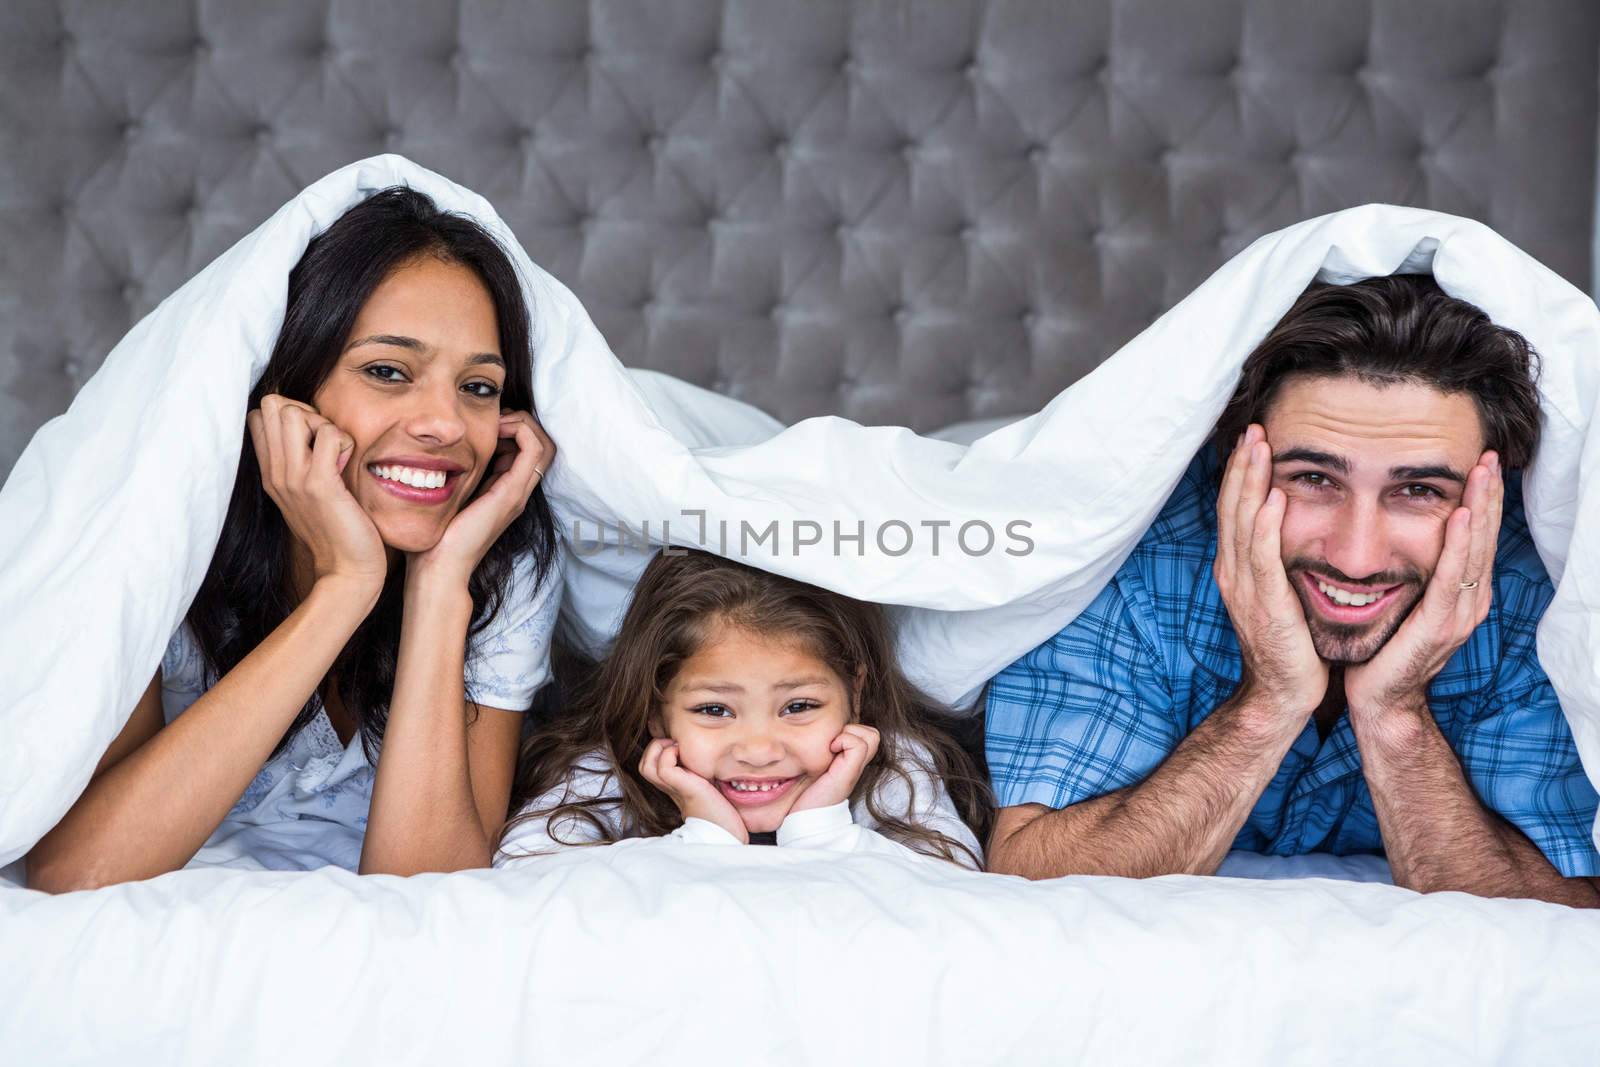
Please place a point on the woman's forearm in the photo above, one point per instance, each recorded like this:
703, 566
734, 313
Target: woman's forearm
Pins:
424, 816
151, 811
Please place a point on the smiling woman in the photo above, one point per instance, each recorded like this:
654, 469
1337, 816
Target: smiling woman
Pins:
373, 618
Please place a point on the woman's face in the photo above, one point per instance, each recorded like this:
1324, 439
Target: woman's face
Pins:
418, 387
755, 716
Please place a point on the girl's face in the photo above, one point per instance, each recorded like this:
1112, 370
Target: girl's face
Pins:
418, 386
755, 715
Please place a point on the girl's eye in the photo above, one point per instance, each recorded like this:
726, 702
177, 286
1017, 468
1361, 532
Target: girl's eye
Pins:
714, 711
799, 707
386, 373
482, 390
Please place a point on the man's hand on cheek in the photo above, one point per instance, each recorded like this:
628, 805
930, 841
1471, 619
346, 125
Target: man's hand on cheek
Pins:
1281, 665
1455, 602
853, 749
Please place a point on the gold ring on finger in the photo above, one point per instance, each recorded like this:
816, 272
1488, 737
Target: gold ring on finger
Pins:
1469, 585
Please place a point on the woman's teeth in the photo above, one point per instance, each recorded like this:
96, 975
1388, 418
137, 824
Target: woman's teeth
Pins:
1353, 600
412, 476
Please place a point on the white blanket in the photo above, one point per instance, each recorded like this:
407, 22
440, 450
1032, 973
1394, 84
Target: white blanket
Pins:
109, 518
650, 953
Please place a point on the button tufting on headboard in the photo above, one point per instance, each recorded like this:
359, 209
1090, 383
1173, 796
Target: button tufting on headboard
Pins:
917, 213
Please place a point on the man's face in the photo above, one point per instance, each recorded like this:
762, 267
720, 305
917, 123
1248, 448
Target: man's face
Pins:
1371, 474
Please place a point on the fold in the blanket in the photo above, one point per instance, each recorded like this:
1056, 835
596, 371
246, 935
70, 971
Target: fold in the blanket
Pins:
108, 520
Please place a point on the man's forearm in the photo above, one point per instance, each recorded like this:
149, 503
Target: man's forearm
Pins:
1182, 819
1436, 833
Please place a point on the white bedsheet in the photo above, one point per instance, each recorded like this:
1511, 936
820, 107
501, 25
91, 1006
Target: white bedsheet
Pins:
649, 953
1234, 865
636, 953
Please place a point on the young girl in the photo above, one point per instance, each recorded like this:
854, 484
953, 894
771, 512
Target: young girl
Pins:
348, 683
738, 705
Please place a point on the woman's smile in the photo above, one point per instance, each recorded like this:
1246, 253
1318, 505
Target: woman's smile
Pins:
424, 480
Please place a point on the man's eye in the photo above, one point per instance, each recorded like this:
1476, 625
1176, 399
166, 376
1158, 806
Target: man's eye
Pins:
715, 711
1420, 492
482, 390
1315, 479
385, 373
799, 707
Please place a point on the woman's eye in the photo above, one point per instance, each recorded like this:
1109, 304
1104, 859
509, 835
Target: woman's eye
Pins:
715, 711
482, 390
801, 706
385, 373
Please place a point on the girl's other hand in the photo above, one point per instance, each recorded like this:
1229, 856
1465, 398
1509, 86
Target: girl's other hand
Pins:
696, 797
302, 457
853, 749
524, 454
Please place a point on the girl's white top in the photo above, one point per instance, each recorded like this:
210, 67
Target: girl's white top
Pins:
919, 798
307, 807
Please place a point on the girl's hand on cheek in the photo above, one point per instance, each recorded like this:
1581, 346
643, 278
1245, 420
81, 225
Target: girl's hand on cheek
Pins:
525, 452
853, 749
302, 457
695, 797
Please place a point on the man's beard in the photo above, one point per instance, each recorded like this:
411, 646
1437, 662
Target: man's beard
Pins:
1347, 643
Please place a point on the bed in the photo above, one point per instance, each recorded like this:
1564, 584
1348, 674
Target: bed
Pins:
935, 217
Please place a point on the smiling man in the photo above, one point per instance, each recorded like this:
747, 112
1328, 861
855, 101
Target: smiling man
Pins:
1325, 642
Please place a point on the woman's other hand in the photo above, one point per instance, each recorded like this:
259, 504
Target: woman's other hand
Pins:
524, 454
302, 456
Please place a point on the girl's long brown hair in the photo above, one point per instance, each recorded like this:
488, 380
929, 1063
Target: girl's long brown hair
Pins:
679, 601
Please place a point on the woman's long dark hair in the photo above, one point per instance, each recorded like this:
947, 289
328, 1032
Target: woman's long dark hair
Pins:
679, 601
246, 593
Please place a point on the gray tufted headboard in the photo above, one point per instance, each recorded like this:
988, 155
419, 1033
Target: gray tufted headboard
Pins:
907, 212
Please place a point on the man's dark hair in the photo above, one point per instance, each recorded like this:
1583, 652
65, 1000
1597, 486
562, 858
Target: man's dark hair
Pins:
1401, 329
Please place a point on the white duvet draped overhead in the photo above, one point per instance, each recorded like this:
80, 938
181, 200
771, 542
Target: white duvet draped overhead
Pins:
106, 527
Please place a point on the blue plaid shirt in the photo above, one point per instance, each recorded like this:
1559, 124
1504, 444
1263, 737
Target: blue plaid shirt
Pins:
1104, 702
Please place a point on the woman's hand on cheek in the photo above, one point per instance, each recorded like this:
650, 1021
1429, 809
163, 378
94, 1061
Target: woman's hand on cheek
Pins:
695, 797
302, 457
519, 462
853, 749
